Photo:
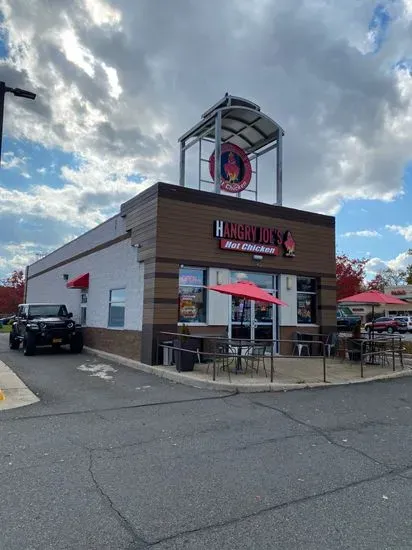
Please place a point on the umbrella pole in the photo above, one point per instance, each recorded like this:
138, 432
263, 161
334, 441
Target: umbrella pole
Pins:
239, 349
242, 317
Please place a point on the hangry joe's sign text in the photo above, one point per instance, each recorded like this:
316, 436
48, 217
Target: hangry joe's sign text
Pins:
254, 239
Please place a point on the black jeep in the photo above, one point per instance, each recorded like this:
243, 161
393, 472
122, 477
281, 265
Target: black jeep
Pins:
45, 325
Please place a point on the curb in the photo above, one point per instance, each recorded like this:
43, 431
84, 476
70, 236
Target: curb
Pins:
14, 393
181, 378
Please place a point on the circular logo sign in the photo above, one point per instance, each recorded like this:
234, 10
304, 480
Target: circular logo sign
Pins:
235, 168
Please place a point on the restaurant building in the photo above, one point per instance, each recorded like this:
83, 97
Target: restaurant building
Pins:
145, 270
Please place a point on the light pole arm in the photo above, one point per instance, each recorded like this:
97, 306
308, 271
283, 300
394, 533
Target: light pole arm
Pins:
18, 92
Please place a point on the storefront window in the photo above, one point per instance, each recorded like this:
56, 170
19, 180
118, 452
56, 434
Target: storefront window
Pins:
117, 301
192, 295
306, 300
260, 279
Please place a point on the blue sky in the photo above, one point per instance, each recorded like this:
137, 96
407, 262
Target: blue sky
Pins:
375, 216
112, 101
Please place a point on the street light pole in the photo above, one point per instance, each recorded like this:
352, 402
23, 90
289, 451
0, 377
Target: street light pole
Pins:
18, 92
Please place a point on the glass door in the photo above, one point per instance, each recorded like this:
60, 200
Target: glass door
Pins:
241, 326
263, 325
259, 318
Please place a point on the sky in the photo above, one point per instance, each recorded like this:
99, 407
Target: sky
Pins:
118, 82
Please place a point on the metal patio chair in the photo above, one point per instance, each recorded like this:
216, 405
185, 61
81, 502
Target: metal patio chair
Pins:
331, 343
299, 345
254, 357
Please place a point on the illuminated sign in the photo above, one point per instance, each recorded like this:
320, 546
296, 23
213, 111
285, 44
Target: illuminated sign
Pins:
254, 239
235, 168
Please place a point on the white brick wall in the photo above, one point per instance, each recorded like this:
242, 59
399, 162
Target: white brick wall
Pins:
110, 229
113, 267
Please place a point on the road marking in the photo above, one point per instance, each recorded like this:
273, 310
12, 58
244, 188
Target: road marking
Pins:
2, 396
99, 370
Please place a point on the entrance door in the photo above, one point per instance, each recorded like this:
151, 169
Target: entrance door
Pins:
259, 318
83, 309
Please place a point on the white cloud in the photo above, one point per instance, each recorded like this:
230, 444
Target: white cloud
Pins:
10, 160
375, 265
118, 82
17, 256
362, 233
404, 230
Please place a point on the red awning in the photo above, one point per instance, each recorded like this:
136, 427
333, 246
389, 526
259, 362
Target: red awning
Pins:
82, 281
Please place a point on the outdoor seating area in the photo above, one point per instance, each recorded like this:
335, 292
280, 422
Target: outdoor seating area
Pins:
306, 358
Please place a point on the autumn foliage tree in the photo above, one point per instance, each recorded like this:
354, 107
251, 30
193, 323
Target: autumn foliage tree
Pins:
350, 275
11, 293
377, 283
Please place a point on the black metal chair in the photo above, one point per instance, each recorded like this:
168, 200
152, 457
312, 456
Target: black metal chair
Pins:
254, 357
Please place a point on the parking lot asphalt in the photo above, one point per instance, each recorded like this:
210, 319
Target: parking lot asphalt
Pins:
112, 458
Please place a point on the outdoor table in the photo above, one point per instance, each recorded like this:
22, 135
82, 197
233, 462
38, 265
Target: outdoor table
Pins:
239, 346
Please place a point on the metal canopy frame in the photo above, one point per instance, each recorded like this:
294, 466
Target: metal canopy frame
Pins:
241, 122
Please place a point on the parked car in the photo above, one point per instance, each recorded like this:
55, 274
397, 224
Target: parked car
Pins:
407, 319
346, 322
45, 325
388, 324
7, 320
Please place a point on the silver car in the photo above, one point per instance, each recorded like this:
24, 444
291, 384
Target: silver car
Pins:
407, 319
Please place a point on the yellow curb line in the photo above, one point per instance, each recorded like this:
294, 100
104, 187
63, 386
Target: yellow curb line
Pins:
2, 396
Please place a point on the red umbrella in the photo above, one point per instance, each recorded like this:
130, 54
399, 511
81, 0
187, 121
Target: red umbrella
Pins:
248, 291
373, 297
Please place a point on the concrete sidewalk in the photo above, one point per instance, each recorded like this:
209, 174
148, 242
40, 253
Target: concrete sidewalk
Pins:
13, 392
290, 374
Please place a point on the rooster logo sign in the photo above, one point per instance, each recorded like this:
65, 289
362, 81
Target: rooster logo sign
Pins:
235, 168
289, 245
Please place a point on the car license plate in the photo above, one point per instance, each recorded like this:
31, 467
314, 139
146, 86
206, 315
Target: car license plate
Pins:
57, 340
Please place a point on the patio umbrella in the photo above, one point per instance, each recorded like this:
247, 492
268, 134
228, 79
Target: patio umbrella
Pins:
248, 291
373, 298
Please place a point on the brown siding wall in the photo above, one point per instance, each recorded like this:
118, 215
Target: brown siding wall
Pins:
126, 343
185, 235
174, 226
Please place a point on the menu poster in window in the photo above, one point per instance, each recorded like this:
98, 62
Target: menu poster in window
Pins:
192, 277
304, 308
188, 308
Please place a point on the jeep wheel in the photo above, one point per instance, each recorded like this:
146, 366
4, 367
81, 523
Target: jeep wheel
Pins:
13, 342
76, 344
29, 344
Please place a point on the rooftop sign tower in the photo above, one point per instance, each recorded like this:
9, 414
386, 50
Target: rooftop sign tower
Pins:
239, 134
